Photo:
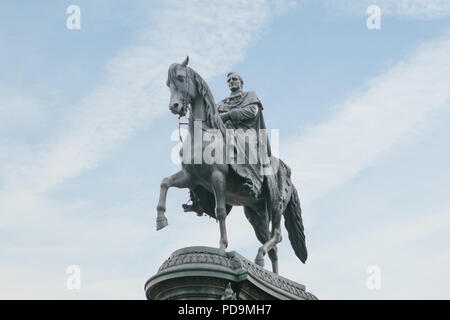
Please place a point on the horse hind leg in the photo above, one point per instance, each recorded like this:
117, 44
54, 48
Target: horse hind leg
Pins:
181, 179
274, 239
273, 255
219, 187
260, 222
269, 247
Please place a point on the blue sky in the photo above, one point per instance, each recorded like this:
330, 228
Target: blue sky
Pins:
85, 139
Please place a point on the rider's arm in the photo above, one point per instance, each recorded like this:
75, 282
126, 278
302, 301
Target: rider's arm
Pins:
245, 113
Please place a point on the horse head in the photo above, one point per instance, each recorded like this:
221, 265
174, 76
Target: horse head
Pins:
182, 87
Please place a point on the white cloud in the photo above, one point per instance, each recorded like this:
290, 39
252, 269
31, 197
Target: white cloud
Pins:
365, 126
413, 264
425, 8
409, 8
214, 33
48, 281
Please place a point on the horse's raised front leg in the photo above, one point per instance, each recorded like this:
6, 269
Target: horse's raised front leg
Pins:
181, 179
219, 187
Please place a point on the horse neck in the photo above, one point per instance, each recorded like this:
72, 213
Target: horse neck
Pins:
203, 108
198, 113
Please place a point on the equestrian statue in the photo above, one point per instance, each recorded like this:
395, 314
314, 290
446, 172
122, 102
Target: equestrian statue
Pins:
227, 161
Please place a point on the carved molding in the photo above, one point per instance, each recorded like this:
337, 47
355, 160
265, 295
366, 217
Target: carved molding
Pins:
238, 264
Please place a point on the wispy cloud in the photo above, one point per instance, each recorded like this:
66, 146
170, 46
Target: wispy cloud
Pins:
369, 123
404, 250
423, 9
214, 33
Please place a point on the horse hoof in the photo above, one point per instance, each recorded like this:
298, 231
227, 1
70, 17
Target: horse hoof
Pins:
259, 261
161, 223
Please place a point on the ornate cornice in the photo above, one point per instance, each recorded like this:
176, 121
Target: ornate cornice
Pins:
237, 264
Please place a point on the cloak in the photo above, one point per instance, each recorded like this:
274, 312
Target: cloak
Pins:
242, 109
245, 113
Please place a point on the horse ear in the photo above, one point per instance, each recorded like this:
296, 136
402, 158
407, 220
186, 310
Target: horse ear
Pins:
185, 62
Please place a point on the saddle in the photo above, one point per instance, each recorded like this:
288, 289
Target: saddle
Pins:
276, 191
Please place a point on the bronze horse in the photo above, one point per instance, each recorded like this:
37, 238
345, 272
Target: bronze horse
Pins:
189, 92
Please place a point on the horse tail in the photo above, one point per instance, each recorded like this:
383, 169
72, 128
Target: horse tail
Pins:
294, 224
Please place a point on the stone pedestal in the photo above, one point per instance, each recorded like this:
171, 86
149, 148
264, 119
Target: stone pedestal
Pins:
204, 273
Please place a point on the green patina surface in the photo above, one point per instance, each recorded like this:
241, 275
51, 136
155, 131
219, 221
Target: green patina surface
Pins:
205, 272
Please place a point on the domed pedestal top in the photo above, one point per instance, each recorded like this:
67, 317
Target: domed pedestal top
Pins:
204, 273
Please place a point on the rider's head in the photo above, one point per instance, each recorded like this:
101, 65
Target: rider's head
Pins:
235, 82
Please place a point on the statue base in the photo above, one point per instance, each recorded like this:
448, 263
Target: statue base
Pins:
204, 273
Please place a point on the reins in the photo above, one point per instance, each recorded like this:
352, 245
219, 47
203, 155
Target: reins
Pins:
185, 103
179, 127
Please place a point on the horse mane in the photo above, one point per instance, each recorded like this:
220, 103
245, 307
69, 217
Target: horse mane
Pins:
213, 119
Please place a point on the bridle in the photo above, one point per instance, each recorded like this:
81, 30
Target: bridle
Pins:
185, 102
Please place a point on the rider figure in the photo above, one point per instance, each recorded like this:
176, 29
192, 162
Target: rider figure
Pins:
243, 110
240, 109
